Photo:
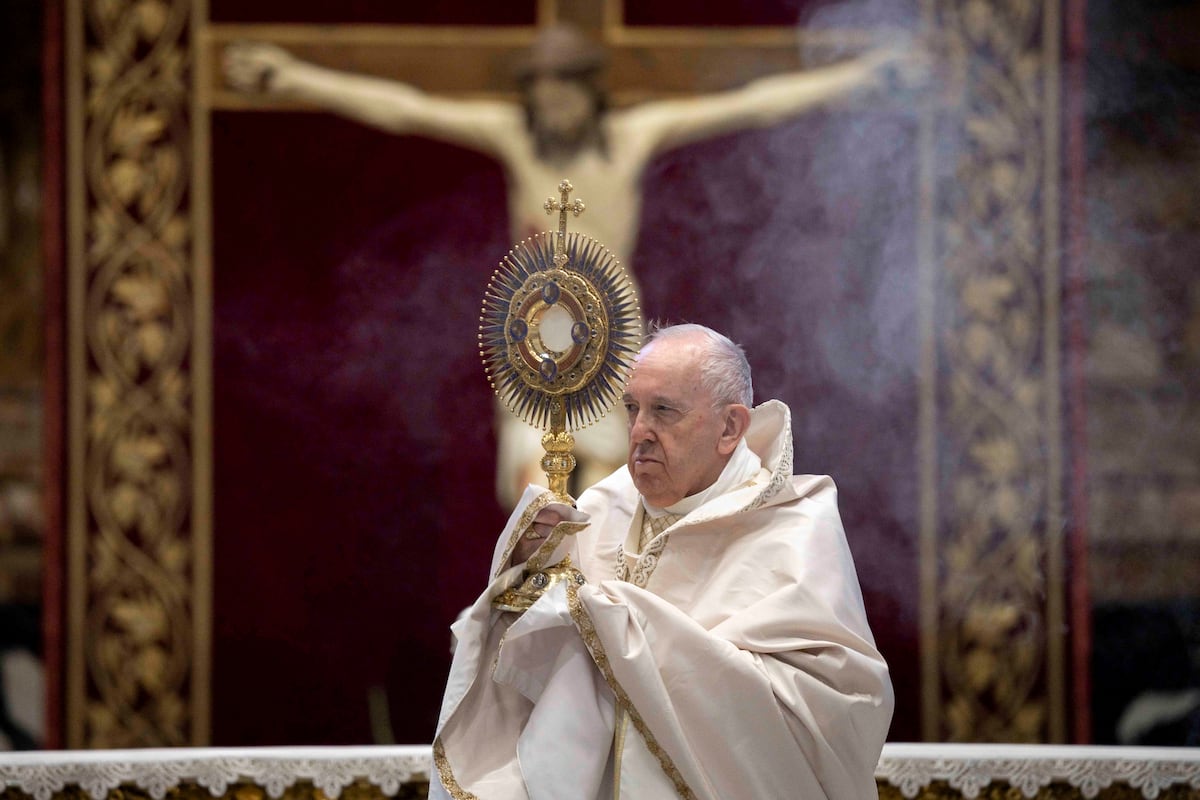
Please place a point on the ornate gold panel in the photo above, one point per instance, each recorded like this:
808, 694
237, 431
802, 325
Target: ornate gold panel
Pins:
992, 613
186, 790
137, 654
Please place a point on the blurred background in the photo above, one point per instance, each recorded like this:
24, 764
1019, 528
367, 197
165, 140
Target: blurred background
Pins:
247, 449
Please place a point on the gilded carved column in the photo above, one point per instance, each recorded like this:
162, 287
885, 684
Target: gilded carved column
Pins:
991, 545
137, 542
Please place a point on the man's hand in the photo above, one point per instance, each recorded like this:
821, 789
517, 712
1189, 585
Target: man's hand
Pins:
253, 67
543, 523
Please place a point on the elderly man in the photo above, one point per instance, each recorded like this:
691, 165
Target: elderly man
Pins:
694, 628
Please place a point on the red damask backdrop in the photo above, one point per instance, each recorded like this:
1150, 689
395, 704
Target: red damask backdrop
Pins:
354, 453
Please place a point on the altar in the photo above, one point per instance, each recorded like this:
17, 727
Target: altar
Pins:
924, 771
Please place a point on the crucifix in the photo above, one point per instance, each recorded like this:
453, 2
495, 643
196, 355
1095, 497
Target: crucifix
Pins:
561, 125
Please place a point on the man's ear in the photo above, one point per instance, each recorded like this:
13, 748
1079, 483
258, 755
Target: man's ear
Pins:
737, 422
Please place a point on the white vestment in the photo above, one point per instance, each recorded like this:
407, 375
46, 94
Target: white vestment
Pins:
730, 659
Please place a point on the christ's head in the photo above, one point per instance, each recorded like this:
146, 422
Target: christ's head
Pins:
560, 80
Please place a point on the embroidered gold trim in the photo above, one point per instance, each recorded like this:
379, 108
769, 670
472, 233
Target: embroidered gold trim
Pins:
647, 560
592, 640
618, 750
526, 519
538, 560
496, 655
622, 568
779, 476
622, 571
446, 774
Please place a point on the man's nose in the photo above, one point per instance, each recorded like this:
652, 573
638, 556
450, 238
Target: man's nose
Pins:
640, 429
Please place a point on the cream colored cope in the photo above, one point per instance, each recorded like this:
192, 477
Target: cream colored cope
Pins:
595, 691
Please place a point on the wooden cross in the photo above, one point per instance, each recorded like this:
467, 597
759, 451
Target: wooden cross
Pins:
645, 62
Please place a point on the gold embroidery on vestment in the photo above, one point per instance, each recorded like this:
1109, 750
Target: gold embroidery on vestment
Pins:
591, 639
539, 502
780, 476
447, 774
618, 750
648, 558
547, 548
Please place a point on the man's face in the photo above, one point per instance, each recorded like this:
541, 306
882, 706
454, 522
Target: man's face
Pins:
563, 106
676, 448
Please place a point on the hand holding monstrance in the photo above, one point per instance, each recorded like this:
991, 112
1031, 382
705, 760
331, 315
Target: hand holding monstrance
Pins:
559, 328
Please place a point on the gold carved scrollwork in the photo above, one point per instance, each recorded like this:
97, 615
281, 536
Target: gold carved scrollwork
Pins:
301, 790
131, 655
418, 790
998, 666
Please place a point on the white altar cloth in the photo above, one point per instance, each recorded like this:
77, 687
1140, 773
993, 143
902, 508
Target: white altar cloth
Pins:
156, 770
970, 767
909, 767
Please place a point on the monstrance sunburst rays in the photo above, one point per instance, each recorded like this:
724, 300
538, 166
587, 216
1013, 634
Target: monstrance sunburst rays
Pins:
558, 331
527, 372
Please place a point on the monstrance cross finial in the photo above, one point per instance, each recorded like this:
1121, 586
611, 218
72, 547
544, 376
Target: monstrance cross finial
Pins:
562, 207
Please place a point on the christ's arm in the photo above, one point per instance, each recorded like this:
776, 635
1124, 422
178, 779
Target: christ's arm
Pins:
488, 127
653, 127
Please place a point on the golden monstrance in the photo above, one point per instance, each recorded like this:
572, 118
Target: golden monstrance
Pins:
558, 331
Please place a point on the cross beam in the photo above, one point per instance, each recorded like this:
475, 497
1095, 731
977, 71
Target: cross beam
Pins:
479, 61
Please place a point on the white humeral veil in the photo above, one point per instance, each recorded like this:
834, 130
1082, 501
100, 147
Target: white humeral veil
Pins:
734, 660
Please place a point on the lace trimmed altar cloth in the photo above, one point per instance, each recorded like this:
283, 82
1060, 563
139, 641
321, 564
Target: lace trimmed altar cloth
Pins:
905, 770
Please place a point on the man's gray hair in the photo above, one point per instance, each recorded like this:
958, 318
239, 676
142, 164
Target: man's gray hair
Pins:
724, 372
